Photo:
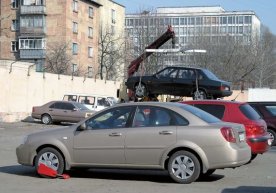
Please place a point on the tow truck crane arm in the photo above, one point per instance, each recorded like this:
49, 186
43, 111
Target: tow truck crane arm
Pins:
135, 64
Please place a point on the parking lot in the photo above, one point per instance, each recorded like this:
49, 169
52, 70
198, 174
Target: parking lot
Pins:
256, 177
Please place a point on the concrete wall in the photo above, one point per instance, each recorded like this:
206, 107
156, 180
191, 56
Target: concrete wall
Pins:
20, 91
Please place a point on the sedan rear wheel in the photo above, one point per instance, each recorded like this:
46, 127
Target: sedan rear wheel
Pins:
184, 167
199, 95
51, 158
140, 90
46, 119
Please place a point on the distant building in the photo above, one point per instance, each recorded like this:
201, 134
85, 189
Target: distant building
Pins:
30, 27
194, 23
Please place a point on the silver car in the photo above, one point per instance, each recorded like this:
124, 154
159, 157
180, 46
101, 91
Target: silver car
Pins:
182, 139
61, 111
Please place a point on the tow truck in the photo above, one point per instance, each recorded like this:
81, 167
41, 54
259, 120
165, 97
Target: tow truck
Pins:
135, 64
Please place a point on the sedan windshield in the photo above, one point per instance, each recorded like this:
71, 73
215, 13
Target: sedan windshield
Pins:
201, 114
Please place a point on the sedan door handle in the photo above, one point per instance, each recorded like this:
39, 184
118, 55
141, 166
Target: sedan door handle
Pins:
115, 134
165, 132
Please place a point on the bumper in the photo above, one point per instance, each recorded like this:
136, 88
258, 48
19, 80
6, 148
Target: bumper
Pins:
230, 157
220, 93
259, 144
24, 155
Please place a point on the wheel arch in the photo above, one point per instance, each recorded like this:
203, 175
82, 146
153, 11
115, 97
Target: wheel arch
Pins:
65, 155
203, 167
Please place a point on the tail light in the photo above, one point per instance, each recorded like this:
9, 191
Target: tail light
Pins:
224, 88
254, 129
228, 134
33, 110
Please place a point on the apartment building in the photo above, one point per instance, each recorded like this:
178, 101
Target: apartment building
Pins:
31, 28
191, 24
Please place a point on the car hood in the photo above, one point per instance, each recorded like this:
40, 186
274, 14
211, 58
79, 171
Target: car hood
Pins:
55, 132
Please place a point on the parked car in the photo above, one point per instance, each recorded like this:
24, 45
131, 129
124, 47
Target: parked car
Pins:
267, 110
182, 139
180, 81
91, 101
61, 111
239, 112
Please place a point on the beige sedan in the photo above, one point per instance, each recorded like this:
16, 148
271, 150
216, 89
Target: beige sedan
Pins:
61, 111
182, 139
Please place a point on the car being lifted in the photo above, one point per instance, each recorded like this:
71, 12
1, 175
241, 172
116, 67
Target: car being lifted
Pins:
198, 83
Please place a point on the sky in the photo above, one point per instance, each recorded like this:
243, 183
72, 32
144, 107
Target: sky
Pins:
264, 9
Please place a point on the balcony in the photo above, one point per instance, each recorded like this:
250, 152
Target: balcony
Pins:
33, 30
32, 9
32, 53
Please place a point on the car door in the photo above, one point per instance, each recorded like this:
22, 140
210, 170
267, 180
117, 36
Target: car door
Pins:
162, 82
185, 82
152, 132
56, 111
103, 141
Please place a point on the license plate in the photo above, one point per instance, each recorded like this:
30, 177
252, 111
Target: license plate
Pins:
242, 136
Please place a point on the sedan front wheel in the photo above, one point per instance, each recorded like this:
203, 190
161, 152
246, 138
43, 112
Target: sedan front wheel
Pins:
184, 167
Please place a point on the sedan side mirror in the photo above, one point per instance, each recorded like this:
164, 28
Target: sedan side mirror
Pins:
82, 127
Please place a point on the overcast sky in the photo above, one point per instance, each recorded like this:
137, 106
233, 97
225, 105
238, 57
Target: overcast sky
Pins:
264, 9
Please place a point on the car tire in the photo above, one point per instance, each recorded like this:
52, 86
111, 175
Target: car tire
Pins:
272, 134
46, 119
51, 158
199, 95
253, 156
140, 90
184, 167
207, 174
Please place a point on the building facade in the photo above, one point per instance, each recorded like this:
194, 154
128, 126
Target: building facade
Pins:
193, 24
30, 29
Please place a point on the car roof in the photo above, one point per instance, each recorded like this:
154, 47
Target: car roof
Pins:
185, 67
214, 102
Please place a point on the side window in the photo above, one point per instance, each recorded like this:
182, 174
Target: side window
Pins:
87, 100
180, 121
68, 106
146, 116
113, 118
57, 105
271, 109
103, 102
216, 110
70, 98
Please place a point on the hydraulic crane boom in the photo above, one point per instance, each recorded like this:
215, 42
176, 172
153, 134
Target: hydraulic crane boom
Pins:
134, 65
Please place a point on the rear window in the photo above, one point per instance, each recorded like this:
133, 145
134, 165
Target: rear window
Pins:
249, 112
201, 114
216, 110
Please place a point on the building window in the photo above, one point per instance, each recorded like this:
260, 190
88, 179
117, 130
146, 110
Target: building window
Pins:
14, 4
32, 21
90, 72
90, 52
14, 46
15, 25
75, 27
75, 5
74, 68
90, 12
113, 30
75, 48
113, 16
32, 43
90, 32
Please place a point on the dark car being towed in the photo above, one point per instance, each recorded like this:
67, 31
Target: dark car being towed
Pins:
180, 81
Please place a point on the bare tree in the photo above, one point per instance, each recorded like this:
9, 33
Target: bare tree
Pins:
58, 58
111, 54
263, 75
